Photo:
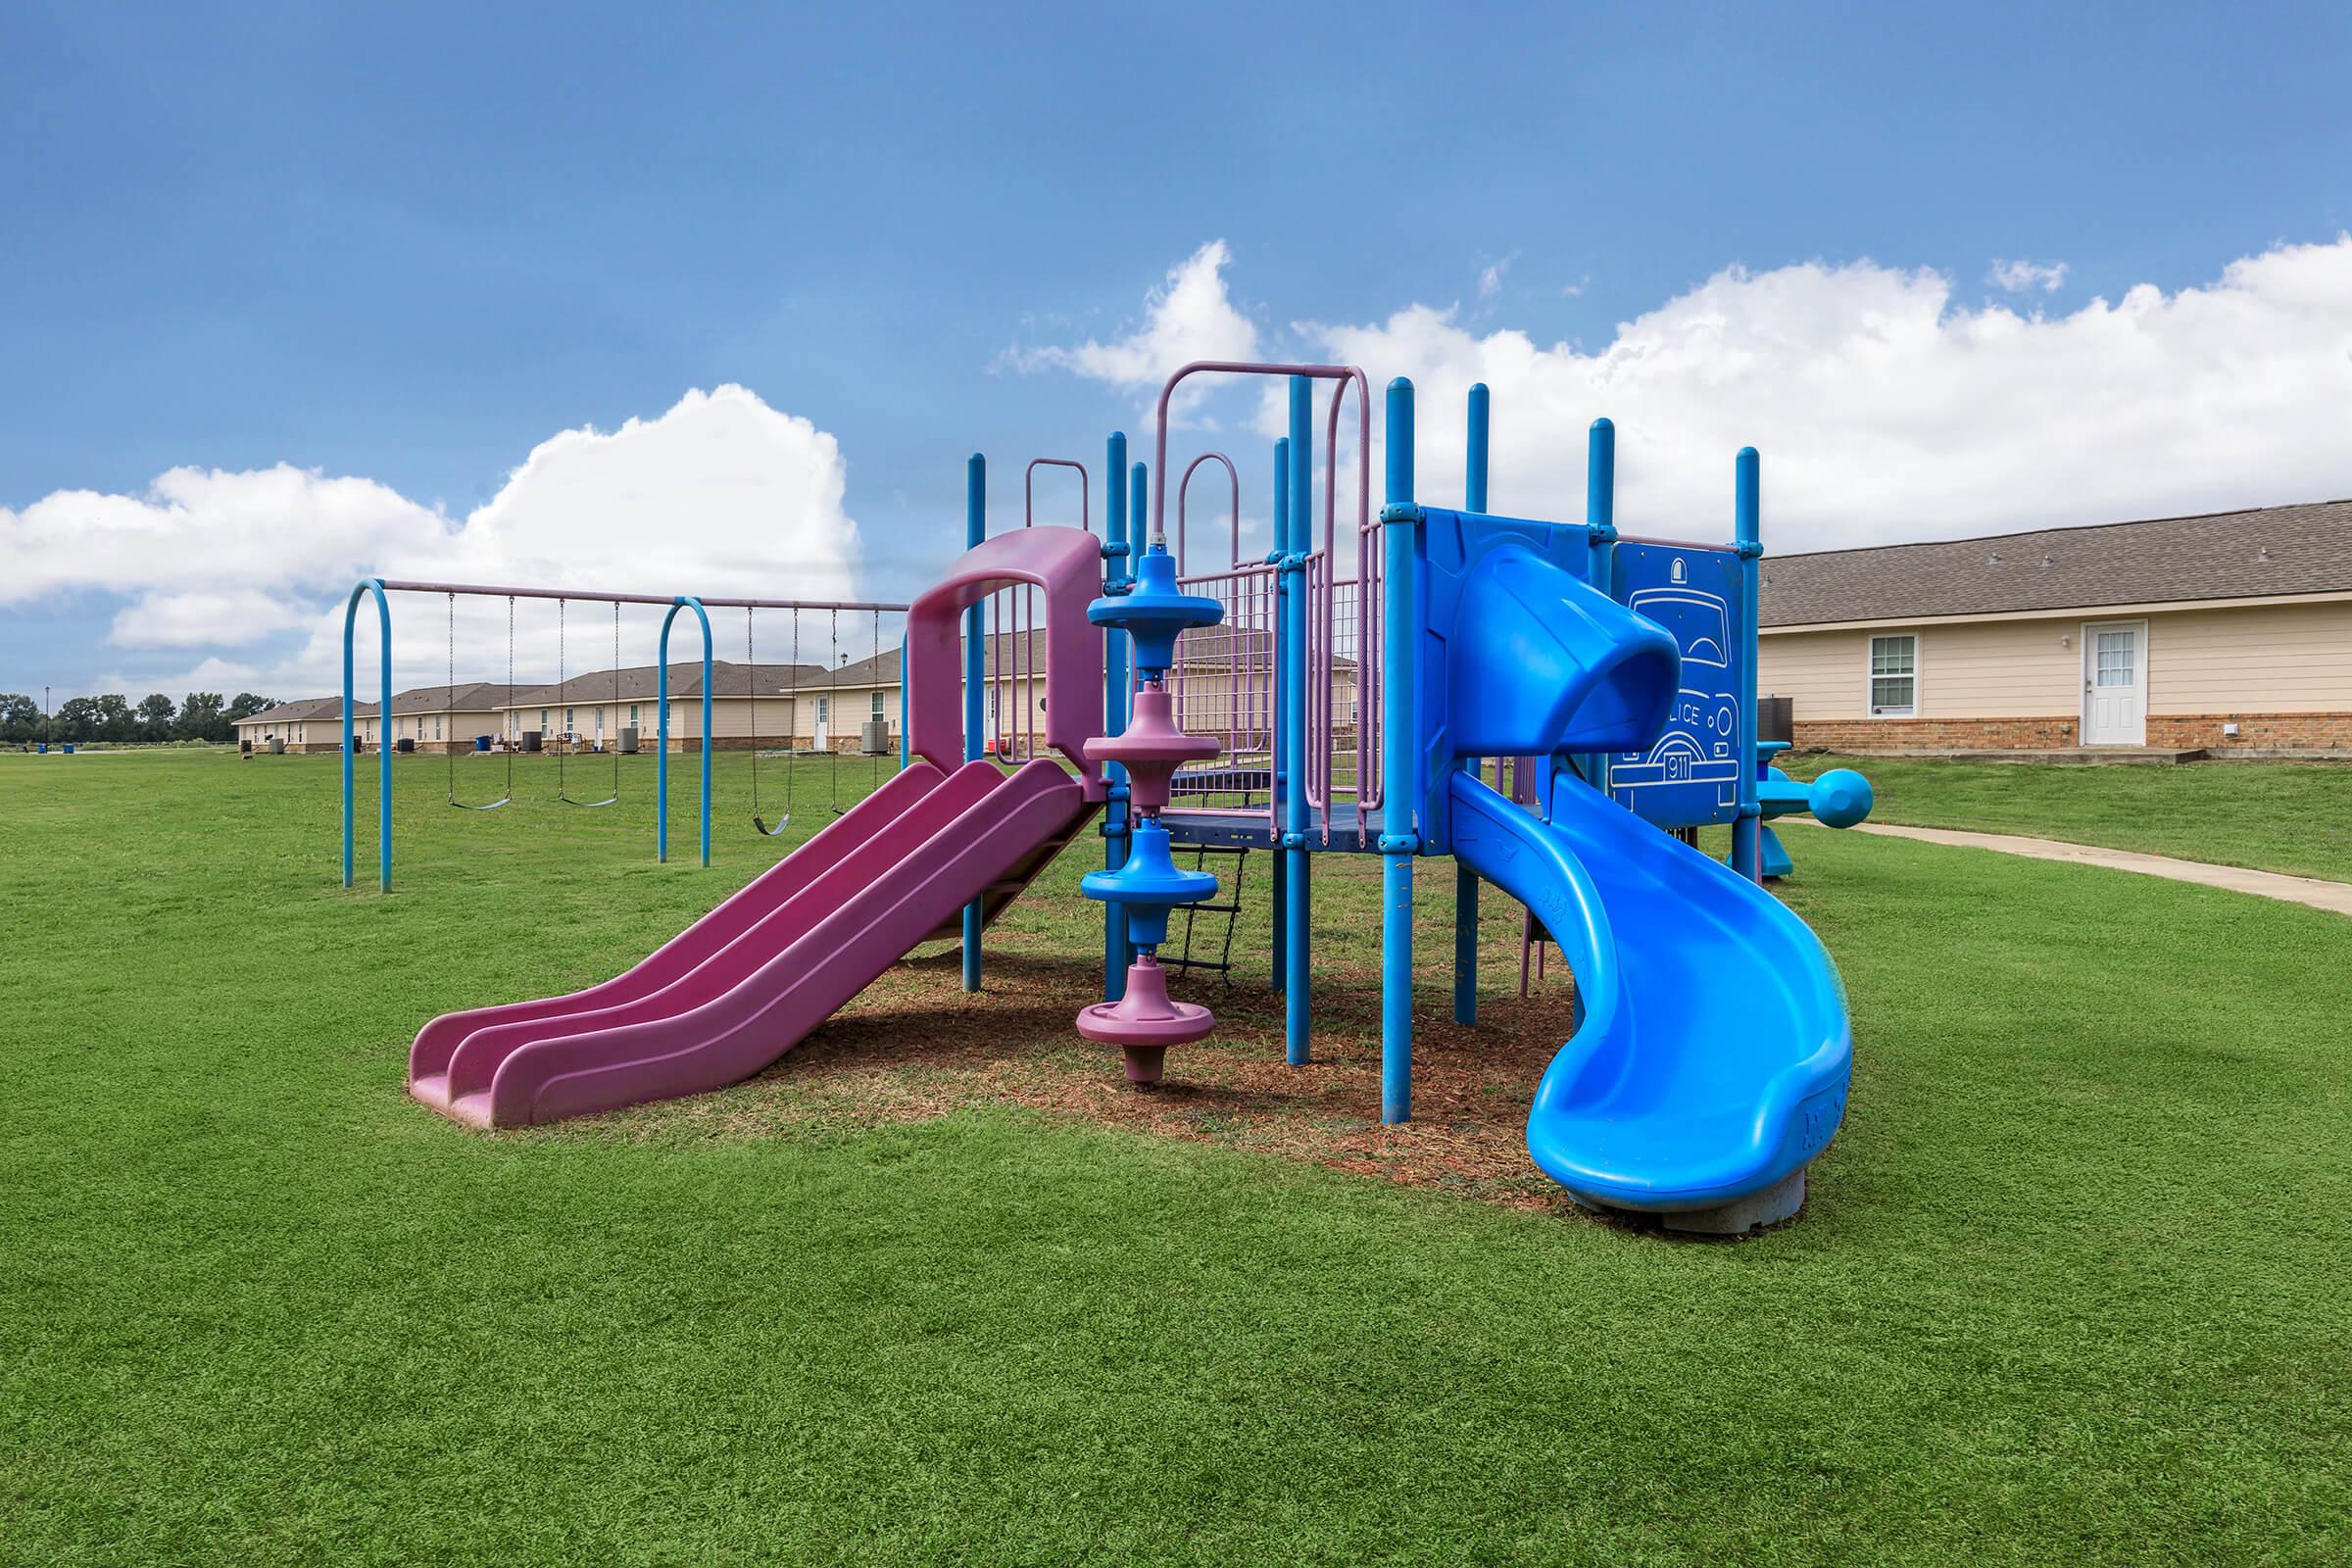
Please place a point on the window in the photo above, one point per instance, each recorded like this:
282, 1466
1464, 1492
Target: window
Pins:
543, 720
632, 715
568, 722
2114, 657
436, 726
877, 707
1893, 675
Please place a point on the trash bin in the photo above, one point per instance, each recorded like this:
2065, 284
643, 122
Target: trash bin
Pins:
43, 750
534, 740
244, 748
481, 743
68, 747
628, 741
277, 746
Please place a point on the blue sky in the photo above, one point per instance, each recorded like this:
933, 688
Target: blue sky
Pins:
411, 243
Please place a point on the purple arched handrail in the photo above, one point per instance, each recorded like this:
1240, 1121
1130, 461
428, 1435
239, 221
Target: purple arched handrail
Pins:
1019, 606
1184, 490
1086, 488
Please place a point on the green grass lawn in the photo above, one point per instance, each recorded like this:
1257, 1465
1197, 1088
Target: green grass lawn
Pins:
2273, 816
2070, 1287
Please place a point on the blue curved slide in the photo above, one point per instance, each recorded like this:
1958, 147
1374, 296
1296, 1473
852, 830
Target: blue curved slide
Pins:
1711, 1053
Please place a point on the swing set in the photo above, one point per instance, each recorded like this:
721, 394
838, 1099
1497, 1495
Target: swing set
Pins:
380, 588
821, 742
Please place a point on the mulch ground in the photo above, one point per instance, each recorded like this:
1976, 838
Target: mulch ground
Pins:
917, 1046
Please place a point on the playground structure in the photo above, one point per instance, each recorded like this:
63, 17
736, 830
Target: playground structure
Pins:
1608, 678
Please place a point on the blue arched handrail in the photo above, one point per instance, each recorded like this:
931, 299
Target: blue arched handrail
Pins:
662, 745
383, 725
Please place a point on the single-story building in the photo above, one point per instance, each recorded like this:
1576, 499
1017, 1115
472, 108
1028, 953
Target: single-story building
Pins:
437, 718
2227, 630
749, 705
310, 724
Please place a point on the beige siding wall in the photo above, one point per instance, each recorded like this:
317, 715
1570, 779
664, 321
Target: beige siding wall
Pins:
1986, 669
731, 718
1824, 673
2280, 659
2257, 659
419, 727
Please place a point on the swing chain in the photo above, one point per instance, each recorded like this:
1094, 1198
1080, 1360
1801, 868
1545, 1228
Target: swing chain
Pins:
562, 635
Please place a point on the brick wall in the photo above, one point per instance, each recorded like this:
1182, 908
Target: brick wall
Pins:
1940, 734
2298, 730
846, 745
2290, 730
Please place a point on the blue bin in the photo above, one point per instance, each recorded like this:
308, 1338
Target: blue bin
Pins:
481, 743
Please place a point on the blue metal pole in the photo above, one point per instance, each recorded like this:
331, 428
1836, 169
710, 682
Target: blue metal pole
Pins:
1749, 539
662, 751
1601, 559
662, 745
1298, 886
383, 725
709, 740
975, 533
1114, 712
1400, 741
1278, 759
1474, 476
1600, 499
1465, 880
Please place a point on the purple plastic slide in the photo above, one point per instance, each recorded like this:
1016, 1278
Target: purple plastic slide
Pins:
744, 984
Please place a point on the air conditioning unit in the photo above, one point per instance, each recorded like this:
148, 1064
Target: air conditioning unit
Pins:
876, 737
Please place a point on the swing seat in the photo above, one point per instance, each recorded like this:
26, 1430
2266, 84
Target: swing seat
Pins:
782, 823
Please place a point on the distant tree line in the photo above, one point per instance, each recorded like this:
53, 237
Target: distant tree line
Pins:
201, 717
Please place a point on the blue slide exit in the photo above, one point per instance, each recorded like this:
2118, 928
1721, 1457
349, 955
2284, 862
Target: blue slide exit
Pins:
1711, 1052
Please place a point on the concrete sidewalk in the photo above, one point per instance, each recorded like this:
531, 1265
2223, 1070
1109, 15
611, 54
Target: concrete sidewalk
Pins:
2334, 897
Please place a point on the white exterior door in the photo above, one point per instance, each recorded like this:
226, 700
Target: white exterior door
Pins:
824, 723
2115, 683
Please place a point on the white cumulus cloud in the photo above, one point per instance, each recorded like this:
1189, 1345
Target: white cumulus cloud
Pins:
1191, 316
720, 495
1887, 411
2024, 278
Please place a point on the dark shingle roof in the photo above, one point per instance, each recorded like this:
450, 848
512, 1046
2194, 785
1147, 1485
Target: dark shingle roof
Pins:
2223, 554
467, 696
641, 683
308, 710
